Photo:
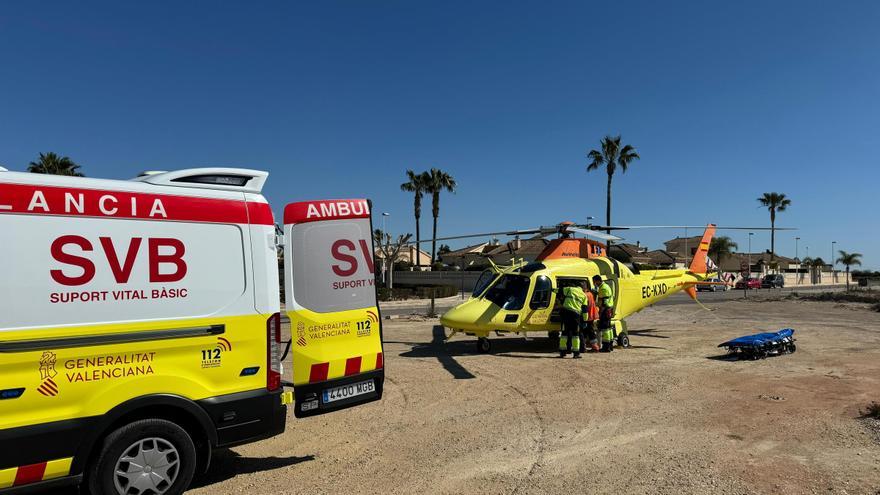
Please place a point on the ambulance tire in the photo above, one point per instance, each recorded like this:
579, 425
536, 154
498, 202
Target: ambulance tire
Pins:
101, 474
483, 345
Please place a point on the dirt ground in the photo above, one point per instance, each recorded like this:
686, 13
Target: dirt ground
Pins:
669, 415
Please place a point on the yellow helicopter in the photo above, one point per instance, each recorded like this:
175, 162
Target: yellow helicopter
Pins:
520, 298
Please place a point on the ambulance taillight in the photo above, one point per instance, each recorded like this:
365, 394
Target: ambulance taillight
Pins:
273, 348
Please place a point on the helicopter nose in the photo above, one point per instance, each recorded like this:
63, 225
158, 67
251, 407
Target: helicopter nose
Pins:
471, 315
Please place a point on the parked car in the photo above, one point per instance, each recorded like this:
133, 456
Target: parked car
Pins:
750, 283
773, 281
713, 288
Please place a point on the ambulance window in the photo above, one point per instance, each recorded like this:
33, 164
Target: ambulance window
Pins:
483, 281
333, 265
541, 295
509, 292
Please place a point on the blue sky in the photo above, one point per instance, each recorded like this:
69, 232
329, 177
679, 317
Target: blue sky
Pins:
724, 101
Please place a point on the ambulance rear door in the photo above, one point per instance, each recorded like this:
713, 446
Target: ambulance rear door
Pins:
330, 296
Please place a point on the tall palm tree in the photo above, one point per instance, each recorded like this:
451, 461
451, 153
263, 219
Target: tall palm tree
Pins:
817, 264
849, 259
774, 202
611, 155
50, 163
436, 182
416, 184
720, 248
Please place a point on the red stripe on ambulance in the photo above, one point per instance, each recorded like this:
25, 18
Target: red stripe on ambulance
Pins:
260, 213
29, 474
319, 372
333, 209
67, 201
353, 366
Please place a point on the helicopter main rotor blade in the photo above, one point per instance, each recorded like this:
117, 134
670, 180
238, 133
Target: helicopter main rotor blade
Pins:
486, 234
585, 229
629, 227
719, 227
594, 234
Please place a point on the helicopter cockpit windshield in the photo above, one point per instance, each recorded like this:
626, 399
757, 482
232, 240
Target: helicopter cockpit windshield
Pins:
509, 292
483, 282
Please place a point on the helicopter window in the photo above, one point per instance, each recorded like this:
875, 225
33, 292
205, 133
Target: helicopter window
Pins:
541, 295
532, 267
509, 292
483, 281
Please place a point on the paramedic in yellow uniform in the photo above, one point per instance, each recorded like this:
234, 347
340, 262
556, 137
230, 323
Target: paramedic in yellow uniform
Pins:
573, 299
606, 312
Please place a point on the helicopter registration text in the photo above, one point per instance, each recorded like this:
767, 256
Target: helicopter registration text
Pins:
654, 290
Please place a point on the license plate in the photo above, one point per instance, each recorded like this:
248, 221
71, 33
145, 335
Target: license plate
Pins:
347, 391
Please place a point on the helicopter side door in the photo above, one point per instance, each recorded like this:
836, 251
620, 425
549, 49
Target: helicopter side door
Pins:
541, 303
565, 282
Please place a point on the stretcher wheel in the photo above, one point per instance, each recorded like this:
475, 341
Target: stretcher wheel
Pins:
623, 340
792, 347
483, 345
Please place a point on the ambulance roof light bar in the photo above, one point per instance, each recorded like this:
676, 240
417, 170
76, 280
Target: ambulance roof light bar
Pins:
230, 179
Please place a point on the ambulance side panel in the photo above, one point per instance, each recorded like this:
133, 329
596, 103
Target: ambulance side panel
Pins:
117, 296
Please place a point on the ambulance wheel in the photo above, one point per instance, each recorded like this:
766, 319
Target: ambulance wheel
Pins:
150, 456
623, 340
483, 346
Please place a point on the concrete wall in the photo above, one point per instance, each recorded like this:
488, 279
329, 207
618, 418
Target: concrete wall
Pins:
438, 278
806, 279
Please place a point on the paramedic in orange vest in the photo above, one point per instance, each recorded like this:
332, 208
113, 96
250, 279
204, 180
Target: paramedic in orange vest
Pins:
590, 313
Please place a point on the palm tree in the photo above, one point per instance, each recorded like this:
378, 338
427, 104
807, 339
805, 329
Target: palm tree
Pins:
720, 248
437, 181
817, 264
807, 262
849, 259
612, 155
774, 202
50, 163
416, 184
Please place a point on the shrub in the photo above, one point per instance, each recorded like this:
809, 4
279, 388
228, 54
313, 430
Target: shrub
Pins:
872, 411
859, 296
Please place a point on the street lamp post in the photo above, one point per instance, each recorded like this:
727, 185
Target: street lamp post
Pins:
833, 263
809, 268
750, 253
797, 278
384, 238
749, 275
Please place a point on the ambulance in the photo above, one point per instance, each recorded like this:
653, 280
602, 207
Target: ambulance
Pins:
141, 328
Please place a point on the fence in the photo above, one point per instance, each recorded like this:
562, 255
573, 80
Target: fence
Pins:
464, 280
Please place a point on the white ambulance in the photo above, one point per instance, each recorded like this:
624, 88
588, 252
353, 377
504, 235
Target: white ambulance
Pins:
140, 323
